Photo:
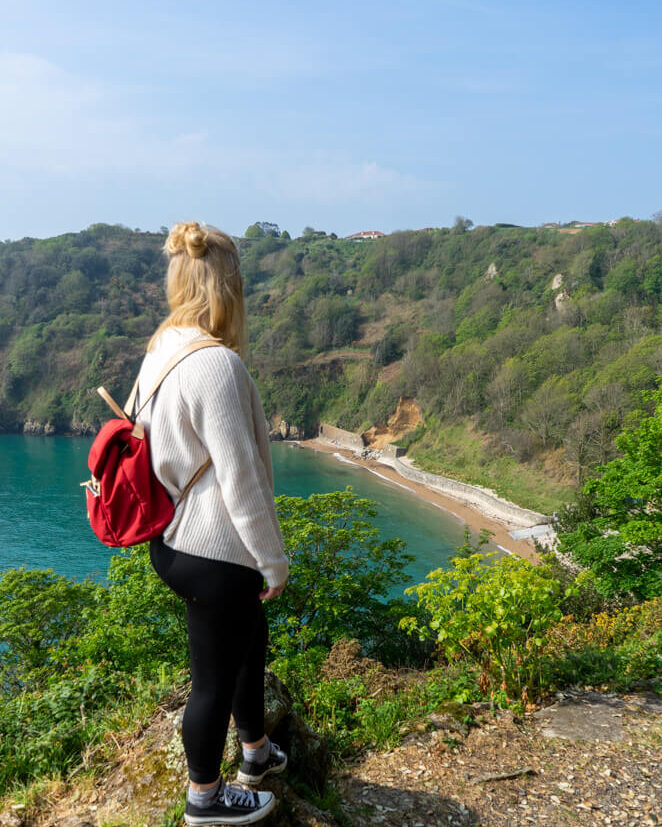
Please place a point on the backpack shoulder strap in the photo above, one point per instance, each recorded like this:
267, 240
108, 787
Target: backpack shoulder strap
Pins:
201, 470
131, 401
172, 363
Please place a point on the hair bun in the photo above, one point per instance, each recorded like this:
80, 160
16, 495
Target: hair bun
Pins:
189, 237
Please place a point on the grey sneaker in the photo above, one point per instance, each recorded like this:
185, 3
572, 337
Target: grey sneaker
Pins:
233, 804
250, 772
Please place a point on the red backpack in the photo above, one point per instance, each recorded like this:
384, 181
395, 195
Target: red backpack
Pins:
126, 503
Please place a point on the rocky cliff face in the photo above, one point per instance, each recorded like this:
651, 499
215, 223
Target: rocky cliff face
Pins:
280, 429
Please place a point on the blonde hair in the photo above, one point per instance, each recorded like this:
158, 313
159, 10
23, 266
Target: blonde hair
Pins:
203, 285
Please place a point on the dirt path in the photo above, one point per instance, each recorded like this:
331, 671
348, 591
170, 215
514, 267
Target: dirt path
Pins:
433, 780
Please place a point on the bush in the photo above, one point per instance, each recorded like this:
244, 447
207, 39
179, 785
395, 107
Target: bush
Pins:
615, 530
39, 612
493, 612
618, 650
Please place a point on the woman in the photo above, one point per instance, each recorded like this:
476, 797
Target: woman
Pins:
224, 540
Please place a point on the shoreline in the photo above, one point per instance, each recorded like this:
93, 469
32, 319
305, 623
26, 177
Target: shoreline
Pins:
468, 514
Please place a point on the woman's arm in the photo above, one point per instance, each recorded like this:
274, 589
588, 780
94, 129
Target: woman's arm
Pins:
217, 391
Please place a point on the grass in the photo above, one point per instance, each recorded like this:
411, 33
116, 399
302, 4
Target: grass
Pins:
457, 452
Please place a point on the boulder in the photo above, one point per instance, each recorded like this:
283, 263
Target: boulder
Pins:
309, 758
452, 718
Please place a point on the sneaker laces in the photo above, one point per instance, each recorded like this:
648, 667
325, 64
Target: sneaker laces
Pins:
236, 795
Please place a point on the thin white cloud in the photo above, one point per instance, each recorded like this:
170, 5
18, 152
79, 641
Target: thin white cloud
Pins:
91, 147
331, 181
59, 124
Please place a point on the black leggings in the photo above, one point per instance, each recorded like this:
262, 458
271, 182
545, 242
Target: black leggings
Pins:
227, 633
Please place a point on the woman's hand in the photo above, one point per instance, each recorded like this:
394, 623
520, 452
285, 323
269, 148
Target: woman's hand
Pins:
272, 591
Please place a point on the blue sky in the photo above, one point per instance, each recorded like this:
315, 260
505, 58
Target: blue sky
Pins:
343, 116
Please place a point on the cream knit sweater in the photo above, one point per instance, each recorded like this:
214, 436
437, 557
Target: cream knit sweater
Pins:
209, 406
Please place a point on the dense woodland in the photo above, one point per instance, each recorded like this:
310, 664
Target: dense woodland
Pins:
528, 349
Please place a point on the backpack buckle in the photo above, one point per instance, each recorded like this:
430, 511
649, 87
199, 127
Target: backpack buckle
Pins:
93, 486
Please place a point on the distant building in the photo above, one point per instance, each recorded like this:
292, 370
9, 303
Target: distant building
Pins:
365, 235
571, 226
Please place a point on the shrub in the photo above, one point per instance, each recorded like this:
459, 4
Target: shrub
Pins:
617, 527
493, 612
618, 649
39, 611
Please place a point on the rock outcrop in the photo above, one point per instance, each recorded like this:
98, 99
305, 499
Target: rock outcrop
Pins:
31, 426
149, 776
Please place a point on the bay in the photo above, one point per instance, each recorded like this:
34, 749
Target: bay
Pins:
43, 523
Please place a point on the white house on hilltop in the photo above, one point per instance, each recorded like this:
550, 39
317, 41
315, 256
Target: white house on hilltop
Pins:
365, 235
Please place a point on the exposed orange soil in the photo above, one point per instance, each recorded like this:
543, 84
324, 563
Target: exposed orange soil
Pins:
406, 417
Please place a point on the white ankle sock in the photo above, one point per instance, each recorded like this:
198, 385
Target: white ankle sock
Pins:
205, 798
260, 754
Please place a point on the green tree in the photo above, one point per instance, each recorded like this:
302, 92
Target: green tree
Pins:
623, 277
548, 411
379, 403
39, 611
254, 231
616, 530
653, 276
333, 322
462, 224
137, 622
340, 572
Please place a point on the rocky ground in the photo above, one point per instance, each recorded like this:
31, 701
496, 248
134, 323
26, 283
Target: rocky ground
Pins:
590, 759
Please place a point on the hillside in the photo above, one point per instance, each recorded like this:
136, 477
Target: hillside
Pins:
526, 350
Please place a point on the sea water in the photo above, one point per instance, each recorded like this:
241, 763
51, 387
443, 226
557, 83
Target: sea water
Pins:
43, 523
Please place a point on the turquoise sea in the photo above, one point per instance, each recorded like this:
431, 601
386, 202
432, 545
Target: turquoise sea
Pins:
43, 523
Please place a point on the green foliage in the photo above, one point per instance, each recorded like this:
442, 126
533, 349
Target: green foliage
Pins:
464, 453
333, 322
340, 572
39, 611
481, 332
254, 231
493, 612
653, 276
379, 404
391, 346
617, 530
82, 660
26, 356
79, 658
617, 649
137, 622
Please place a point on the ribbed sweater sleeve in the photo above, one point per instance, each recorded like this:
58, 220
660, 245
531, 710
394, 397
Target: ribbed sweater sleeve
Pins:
220, 395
